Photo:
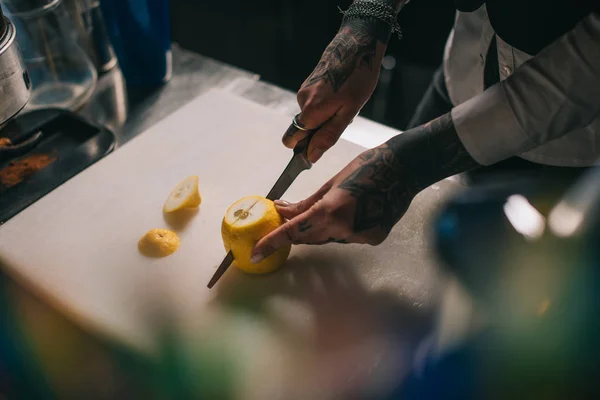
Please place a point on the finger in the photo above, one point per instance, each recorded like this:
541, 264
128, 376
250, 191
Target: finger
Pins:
296, 231
310, 118
292, 136
328, 135
290, 211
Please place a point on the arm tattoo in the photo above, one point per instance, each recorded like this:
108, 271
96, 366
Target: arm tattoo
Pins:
435, 149
381, 196
355, 46
391, 175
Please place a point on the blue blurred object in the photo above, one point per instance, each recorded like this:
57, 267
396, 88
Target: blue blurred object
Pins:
139, 31
528, 253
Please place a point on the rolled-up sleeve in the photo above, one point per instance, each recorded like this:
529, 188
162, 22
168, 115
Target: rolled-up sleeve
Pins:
554, 93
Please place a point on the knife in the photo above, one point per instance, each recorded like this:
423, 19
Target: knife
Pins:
297, 164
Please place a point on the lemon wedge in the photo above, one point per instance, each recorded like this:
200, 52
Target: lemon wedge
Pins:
246, 222
185, 195
159, 243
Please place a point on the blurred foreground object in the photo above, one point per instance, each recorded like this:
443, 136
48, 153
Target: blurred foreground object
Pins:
527, 253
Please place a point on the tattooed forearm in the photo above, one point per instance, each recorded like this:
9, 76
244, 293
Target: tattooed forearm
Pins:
391, 175
381, 194
434, 150
355, 46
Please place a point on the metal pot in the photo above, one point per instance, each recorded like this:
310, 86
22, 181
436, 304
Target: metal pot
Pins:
15, 85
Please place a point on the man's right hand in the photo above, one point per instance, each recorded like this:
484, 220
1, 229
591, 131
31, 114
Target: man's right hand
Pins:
340, 85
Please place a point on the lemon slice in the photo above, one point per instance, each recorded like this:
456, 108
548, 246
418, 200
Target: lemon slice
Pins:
159, 243
246, 222
185, 195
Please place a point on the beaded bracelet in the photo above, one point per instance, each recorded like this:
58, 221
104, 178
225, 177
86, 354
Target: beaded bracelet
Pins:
374, 9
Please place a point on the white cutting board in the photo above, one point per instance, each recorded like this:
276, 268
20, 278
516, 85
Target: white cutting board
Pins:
77, 248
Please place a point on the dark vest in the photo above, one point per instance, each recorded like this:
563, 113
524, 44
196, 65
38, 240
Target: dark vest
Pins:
531, 25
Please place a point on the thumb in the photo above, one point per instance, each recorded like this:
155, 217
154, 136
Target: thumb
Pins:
290, 211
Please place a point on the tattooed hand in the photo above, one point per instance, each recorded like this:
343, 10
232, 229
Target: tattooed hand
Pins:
366, 199
341, 83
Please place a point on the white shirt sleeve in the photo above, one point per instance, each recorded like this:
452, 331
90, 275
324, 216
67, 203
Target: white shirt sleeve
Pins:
554, 93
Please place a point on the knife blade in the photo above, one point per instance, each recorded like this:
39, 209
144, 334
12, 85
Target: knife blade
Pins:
221, 270
297, 164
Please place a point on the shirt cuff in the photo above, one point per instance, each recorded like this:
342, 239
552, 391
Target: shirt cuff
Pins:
488, 128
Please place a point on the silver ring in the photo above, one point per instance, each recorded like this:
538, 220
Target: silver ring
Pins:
297, 125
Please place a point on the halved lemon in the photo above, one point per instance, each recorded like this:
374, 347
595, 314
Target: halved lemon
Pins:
185, 195
159, 243
246, 222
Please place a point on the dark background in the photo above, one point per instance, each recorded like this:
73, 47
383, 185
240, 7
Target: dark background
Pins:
283, 41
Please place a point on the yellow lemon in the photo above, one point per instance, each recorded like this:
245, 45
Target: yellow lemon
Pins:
246, 222
185, 195
159, 243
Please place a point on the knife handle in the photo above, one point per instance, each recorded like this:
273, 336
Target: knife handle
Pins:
302, 146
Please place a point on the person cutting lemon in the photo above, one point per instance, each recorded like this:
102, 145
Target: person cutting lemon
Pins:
518, 90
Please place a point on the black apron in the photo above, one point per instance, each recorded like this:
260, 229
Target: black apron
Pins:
531, 25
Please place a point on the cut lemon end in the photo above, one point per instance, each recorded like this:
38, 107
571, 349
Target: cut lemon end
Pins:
159, 243
246, 222
242, 214
185, 195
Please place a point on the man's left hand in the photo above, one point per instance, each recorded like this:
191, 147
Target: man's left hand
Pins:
361, 204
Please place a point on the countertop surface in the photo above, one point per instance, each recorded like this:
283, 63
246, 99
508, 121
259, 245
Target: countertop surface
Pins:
446, 314
131, 112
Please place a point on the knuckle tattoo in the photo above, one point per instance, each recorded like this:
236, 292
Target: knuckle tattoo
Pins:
289, 233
